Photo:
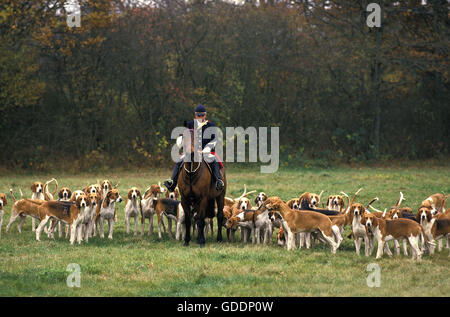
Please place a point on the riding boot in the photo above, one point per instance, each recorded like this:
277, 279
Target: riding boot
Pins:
172, 183
216, 170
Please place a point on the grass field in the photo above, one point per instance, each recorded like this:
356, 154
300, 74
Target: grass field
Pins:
149, 266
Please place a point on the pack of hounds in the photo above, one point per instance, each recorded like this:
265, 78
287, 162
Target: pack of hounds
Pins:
81, 214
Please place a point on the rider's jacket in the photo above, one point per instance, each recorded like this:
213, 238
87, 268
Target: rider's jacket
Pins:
208, 135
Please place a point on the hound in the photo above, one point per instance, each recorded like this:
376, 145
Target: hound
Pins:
92, 189
385, 230
336, 203
294, 203
147, 210
75, 194
434, 203
260, 199
107, 211
173, 210
23, 208
311, 198
68, 212
64, 194
88, 217
132, 208
435, 227
105, 187
301, 221
3, 202
37, 192
255, 220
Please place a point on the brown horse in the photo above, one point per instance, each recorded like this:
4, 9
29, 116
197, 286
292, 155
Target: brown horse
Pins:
198, 192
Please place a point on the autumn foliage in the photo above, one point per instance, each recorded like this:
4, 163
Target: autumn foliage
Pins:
111, 91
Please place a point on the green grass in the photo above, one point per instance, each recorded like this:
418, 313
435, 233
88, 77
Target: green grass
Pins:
149, 266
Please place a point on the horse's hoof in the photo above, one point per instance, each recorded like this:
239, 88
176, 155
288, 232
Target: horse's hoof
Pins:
186, 244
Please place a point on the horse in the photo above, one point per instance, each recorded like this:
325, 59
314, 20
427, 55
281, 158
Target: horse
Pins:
198, 192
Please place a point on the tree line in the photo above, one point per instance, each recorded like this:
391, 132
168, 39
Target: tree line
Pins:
111, 91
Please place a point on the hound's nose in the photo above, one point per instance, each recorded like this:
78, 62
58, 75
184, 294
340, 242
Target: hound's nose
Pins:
368, 224
94, 203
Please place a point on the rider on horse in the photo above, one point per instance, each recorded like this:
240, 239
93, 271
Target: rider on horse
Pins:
208, 144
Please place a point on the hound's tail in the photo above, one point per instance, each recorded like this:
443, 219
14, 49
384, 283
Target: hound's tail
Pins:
46, 191
12, 194
371, 202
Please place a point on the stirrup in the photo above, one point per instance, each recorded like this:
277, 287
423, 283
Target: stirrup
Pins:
219, 185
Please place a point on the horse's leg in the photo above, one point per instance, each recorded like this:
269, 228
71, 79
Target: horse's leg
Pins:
187, 222
201, 232
220, 204
201, 222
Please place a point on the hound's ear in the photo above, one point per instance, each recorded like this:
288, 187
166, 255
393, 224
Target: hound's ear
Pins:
108, 194
60, 195
418, 216
129, 194
5, 202
69, 193
350, 209
33, 188
363, 220
320, 195
139, 194
302, 197
375, 221
328, 201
